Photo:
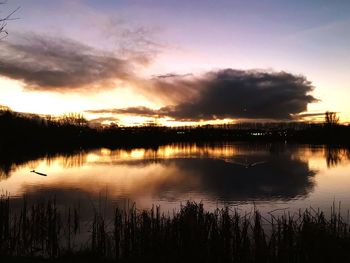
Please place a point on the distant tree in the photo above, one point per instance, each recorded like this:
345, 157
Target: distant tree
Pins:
113, 125
331, 118
76, 119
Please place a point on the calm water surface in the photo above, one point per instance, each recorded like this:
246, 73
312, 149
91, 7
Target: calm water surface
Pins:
270, 176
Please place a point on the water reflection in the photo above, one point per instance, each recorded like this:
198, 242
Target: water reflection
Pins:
222, 172
9, 165
335, 156
278, 178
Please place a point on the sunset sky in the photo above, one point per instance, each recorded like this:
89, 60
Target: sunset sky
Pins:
176, 62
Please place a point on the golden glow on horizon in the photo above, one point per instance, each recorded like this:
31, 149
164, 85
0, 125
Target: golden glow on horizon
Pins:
39, 102
13, 95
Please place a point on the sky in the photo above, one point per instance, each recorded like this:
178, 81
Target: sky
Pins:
177, 62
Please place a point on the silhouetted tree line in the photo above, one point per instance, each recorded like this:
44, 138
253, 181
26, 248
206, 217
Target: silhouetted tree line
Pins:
32, 133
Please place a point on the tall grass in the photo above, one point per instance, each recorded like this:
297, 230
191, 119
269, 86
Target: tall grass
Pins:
191, 234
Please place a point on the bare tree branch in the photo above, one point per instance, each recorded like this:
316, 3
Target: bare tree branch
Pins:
3, 22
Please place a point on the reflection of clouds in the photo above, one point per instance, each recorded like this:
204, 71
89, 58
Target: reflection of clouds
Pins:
139, 182
168, 175
280, 177
171, 173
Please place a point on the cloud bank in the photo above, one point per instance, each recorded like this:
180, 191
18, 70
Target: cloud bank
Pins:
57, 64
246, 94
230, 93
46, 63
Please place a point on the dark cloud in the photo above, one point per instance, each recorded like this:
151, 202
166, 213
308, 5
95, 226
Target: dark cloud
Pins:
229, 93
144, 111
50, 63
245, 94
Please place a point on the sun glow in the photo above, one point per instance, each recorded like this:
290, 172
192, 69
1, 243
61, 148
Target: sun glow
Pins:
18, 99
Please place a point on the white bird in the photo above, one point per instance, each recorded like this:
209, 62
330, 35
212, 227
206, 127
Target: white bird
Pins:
246, 164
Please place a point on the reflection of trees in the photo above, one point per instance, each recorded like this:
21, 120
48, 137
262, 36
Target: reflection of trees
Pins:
191, 150
5, 171
7, 167
10, 165
73, 118
71, 161
68, 160
335, 156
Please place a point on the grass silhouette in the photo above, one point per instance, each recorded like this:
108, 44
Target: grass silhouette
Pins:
41, 232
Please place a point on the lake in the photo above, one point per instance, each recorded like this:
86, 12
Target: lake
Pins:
269, 176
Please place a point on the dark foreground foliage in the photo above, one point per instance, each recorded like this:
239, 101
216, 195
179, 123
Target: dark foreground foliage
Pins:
41, 233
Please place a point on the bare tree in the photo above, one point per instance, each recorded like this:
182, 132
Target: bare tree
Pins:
73, 118
4, 20
331, 118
